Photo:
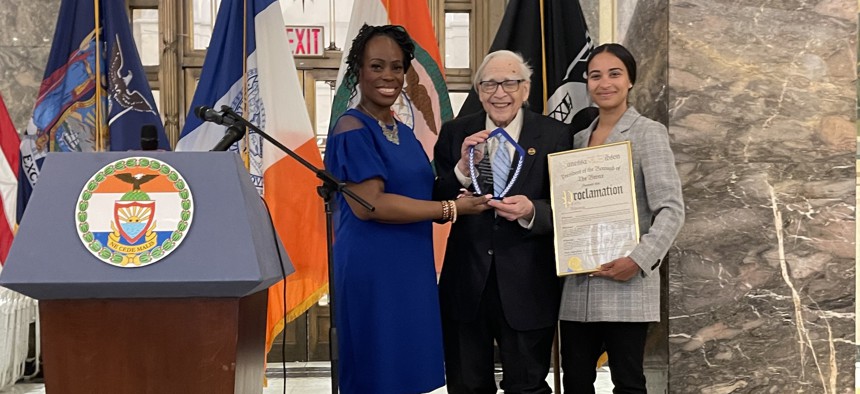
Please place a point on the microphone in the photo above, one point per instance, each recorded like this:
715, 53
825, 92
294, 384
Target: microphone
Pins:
233, 134
148, 137
207, 114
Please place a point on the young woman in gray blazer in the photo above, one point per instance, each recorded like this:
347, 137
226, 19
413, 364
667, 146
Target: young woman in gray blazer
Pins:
609, 310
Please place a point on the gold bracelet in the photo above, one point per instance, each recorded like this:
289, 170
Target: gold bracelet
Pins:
450, 211
453, 210
446, 211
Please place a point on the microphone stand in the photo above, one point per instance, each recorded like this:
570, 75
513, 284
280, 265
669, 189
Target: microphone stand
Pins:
329, 186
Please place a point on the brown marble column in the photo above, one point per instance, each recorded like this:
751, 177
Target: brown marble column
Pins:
762, 114
647, 38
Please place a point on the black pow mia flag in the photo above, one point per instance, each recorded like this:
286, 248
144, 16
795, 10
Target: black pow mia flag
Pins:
567, 46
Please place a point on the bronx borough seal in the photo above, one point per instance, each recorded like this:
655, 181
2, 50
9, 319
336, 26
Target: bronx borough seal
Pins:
134, 212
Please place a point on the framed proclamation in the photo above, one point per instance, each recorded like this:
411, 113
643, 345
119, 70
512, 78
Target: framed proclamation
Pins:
593, 206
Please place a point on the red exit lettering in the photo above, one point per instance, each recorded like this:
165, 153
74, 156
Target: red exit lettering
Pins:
306, 40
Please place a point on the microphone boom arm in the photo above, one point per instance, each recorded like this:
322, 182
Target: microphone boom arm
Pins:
330, 182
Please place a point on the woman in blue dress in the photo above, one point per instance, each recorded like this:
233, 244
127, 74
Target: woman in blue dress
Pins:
387, 306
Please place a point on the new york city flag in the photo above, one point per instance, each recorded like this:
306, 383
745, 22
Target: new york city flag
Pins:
250, 68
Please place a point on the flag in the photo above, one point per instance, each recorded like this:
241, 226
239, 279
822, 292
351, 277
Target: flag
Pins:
424, 103
557, 53
70, 110
258, 82
8, 180
29, 162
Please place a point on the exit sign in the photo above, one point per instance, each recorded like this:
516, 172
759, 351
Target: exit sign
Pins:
306, 41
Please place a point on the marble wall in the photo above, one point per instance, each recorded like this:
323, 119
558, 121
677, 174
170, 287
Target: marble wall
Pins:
762, 119
26, 32
591, 13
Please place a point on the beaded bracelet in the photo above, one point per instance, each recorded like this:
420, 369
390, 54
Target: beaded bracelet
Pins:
453, 210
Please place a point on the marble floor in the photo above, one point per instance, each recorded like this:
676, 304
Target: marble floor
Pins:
309, 378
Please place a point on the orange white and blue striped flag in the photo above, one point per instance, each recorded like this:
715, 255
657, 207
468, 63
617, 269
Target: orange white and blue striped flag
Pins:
249, 67
424, 103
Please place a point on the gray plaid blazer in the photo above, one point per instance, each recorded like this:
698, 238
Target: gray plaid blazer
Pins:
661, 215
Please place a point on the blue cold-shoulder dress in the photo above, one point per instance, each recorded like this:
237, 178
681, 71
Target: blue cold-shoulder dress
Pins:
386, 299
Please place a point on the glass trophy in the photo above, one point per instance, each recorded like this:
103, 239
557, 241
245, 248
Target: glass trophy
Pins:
473, 171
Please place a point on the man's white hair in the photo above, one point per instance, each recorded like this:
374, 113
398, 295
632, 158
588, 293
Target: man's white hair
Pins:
524, 73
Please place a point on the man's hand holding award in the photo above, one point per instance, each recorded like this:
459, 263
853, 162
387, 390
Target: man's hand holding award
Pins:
499, 164
492, 171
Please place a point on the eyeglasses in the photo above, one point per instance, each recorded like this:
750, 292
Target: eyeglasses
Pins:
508, 85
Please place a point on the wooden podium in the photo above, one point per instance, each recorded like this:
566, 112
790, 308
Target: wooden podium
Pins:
194, 322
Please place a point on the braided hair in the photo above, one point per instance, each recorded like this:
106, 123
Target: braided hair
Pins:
356, 53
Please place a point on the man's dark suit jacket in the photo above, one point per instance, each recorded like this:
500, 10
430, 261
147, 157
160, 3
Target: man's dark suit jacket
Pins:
524, 259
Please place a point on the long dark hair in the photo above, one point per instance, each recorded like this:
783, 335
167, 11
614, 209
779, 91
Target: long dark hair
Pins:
622, 54
359, 44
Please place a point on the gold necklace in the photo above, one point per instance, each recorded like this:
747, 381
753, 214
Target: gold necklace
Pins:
390, 132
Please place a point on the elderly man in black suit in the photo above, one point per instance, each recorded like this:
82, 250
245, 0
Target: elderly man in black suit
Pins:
498, 281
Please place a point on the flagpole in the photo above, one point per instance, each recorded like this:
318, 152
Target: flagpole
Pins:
555, 339
245, 153
98, 98
331, 45
543, 54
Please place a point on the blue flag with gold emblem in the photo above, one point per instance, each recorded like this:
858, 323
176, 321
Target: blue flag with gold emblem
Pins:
91, 62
